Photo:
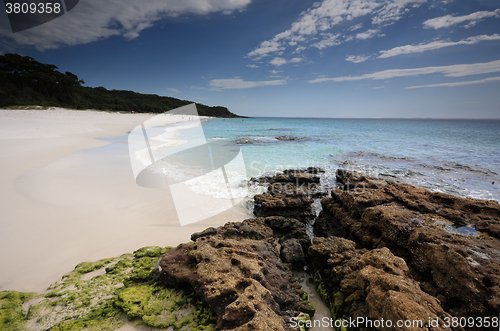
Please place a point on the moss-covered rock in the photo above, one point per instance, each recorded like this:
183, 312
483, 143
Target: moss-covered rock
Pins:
151, 251
12, 314
101, 296
158, 306
105, 295
303, 321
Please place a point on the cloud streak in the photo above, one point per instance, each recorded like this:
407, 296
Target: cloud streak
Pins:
95, 20
314, 27
356, 58
472, 82
424, 47
457, 70
367, 34
449, 20
238, 83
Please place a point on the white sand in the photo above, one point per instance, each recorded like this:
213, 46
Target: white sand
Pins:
62, 203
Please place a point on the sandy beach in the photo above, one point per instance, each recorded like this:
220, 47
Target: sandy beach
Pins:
67, 197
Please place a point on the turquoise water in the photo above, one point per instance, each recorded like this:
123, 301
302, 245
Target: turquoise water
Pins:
452, 156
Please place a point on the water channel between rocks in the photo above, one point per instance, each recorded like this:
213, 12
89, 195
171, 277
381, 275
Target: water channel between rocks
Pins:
322, 311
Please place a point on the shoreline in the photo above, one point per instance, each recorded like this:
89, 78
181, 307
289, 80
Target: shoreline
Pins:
365, 234
68, 196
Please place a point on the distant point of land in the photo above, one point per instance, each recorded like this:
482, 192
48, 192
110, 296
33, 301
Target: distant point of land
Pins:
25, 82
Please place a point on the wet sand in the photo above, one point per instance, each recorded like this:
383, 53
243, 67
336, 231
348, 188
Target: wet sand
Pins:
66, 197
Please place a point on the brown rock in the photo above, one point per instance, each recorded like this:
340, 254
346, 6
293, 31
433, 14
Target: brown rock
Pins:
289, 228
294, 182
282, 205
291, 252
237, 270
464, 272
374, 285
424, 228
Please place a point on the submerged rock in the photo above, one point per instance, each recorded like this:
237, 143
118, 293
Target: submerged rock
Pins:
291, 138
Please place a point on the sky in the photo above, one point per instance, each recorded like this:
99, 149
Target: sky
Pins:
284, 58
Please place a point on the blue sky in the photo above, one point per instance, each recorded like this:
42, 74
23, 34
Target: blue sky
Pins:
294, 58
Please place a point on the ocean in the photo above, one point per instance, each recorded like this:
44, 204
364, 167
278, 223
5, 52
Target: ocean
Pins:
459, 157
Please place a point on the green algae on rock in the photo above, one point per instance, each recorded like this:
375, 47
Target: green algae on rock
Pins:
12, 314
105, 295
159, 307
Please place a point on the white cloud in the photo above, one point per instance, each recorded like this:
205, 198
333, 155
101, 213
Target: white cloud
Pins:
393, 11
95, 20
423, 47
356, 27
472, 82
456, 70
252, 66
238, 83
328, 41
300, 49
173, 90
449, 20
266, 47
278, 61
367, 34
314, 27
357, 58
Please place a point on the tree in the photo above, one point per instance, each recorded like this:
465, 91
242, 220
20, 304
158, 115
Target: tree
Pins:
24, 81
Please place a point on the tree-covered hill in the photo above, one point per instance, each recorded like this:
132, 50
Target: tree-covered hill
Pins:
24, 82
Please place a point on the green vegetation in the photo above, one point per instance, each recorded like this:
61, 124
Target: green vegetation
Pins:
334, 300
25, 82
159, 306
303, 320
12, 315
106, 294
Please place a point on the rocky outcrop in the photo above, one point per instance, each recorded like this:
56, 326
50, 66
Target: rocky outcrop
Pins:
297, 206
237, 270
451, 244
310, 174
289, 193
383, 251
372, 285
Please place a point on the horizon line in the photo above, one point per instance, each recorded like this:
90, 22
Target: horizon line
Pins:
384, 118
